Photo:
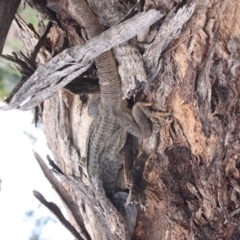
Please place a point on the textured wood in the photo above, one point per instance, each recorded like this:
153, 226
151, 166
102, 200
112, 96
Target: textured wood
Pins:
191, 169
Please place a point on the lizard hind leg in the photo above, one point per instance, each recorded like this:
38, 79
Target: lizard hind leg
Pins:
141, 112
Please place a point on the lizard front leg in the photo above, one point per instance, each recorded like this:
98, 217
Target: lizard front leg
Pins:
137, 121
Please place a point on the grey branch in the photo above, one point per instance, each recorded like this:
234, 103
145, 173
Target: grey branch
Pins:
62, 69
57, 212
66, 198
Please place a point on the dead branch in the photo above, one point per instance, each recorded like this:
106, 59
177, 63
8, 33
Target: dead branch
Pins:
71, 205
62, 69
57, 212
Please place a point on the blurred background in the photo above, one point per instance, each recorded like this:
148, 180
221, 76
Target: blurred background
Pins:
21, 215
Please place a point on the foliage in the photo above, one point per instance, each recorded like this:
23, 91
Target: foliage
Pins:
9, 76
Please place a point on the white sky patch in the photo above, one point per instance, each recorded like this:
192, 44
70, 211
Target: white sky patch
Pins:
21, 175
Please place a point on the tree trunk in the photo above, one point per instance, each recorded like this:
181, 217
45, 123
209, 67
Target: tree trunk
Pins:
187, 172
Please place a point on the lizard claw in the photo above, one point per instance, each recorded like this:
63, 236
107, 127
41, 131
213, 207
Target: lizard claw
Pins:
158, 115
153, 194
147, 104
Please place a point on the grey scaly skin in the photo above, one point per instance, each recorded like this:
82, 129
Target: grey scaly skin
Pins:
105, 160
112, 119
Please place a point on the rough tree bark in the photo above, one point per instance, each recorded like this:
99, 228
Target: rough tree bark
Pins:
188, 169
